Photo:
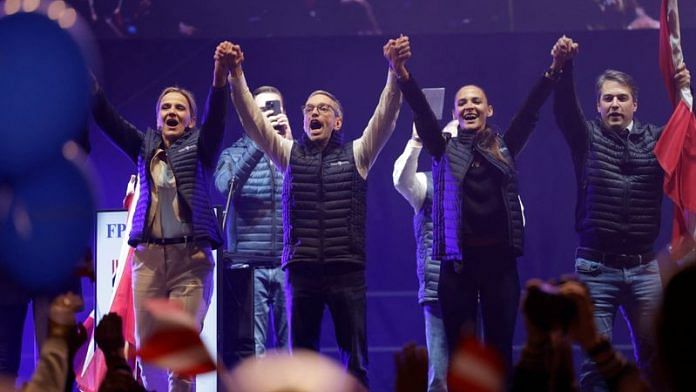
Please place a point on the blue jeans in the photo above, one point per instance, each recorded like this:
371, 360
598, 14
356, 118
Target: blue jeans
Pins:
343, 291
636, 291
436, 341
269, 300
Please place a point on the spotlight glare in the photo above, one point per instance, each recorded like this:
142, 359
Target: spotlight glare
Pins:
56, 9
12, 6
30, 5
68, 18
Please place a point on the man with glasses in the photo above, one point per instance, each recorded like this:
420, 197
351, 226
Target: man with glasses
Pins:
324, 207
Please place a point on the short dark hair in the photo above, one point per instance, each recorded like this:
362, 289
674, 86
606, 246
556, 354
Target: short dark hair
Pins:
618, 77
339, 107
269, 89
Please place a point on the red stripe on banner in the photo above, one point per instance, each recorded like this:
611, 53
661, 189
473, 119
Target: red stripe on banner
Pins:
90, 371
178, 349
168, 341
665, 52
475, 367
675, 149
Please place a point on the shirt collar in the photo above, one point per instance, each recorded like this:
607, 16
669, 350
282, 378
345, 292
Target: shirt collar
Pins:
630, 127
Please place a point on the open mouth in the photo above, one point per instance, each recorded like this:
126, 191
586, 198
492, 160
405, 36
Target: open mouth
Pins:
315, 124
470, 116
172, 122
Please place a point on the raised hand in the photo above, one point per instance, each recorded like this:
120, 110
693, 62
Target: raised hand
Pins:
563, 50
237, 58
280, 123
397, 52
223, 63
62, 323
229, 57
414, 134
682, 77
109, 334
582, 328
411, 365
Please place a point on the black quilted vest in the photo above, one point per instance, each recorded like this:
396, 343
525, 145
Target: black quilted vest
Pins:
619, 190
324, 205
448, 175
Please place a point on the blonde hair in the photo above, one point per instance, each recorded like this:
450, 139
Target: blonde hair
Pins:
187, 94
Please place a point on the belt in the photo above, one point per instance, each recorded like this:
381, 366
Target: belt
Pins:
235, 260
170, 241
615, 259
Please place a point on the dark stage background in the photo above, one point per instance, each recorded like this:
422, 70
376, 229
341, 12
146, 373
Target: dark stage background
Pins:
505, 65
283, 18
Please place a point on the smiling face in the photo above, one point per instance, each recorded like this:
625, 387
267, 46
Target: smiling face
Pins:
175, 116
321, 117
616, 105
471, 108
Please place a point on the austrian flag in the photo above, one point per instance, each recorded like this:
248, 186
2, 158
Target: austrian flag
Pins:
175, 343
676, 149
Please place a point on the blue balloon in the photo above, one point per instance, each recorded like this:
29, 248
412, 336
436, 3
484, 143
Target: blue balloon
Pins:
44, 91
46, 224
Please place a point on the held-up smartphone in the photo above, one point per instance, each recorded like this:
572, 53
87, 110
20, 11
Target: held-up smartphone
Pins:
436, 100
273, 105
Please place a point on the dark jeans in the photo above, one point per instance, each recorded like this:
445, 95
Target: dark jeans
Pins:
340, 288
485, 273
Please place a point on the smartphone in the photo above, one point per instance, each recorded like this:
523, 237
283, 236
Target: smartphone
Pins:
436, 100
273, 105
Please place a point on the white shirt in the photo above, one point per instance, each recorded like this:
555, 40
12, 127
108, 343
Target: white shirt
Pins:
366, 148
413, 185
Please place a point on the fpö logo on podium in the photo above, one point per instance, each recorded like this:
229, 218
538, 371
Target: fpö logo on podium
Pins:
111, 231
109, 243
115, 230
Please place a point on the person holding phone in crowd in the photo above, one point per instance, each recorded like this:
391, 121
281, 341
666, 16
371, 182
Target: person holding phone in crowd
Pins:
254, 226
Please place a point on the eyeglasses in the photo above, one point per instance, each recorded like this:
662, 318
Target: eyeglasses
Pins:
323, 108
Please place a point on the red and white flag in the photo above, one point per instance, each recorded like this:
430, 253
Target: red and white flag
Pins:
676, 149
175, 343
90, 365
474, 367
